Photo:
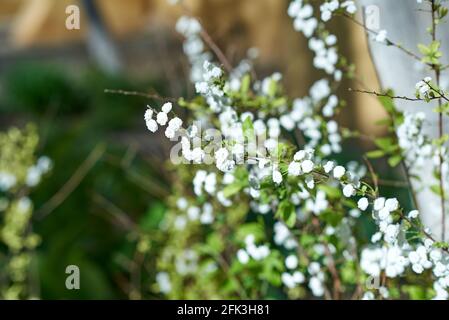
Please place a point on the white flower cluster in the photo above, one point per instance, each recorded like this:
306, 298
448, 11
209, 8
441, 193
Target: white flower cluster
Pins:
416, 146
423, 87
303, 17
382, 213
163, 280
35, 173
33, 176
390, 259
325, 58
208, 87
294, 277
283, 236
193, 213
194, 47
7, 181
252, 251
381, 36
186, 262
328, 8
162, 119
317, 278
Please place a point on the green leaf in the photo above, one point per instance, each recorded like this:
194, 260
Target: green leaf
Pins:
233, 188
151, 219
331, 192
394, 160
246, 81
248, 128
436, 189
272, 88
286, 211
388, 102
375, 154
387, 144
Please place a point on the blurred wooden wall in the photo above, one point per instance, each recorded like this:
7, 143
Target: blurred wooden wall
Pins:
236, 25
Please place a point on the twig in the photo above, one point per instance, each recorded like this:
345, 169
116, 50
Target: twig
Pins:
388, 41
409, 182
440, 131
379, 94
72, 183
210, 42
140, 94
214, 47
123, 220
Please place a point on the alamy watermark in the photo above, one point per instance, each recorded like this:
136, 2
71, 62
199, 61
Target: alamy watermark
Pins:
72, 282
73, 20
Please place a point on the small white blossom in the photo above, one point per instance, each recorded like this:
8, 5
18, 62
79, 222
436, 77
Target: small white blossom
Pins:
291, 262
363, 203
339, 172
162, 118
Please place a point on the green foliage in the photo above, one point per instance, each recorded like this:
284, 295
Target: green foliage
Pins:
431, 53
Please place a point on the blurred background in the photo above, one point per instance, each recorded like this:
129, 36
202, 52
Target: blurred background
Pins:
107, 175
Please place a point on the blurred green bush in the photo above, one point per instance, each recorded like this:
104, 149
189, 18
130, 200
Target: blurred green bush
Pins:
74, 116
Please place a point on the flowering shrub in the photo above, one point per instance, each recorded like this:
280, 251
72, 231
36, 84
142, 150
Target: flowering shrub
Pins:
20, 172
261, 210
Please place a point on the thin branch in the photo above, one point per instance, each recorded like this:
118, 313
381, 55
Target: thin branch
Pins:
120, 218
217, 51
72, 183
440, 129
409, 182
379, 94
210, 42
140, 94
388, 41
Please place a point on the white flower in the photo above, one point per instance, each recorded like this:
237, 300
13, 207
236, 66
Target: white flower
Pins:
287, 122
384, 213
162, 118
294, 168
163, 280
166, 108
301, 154
291, 262
381, 36
170, 132
182, 203
376, 237
33, 176
148, 114
152, 125
379, 203
435, 255
242, 256
316, 286
193, 213
197, 155
298, 277
423, 86
391, 233
175, 123
328, 166
417, 268
288, 280
339, 172
392, 204
277, 176
307, 166
368, 296
413, 214
350, 6
363, 203
348, 190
